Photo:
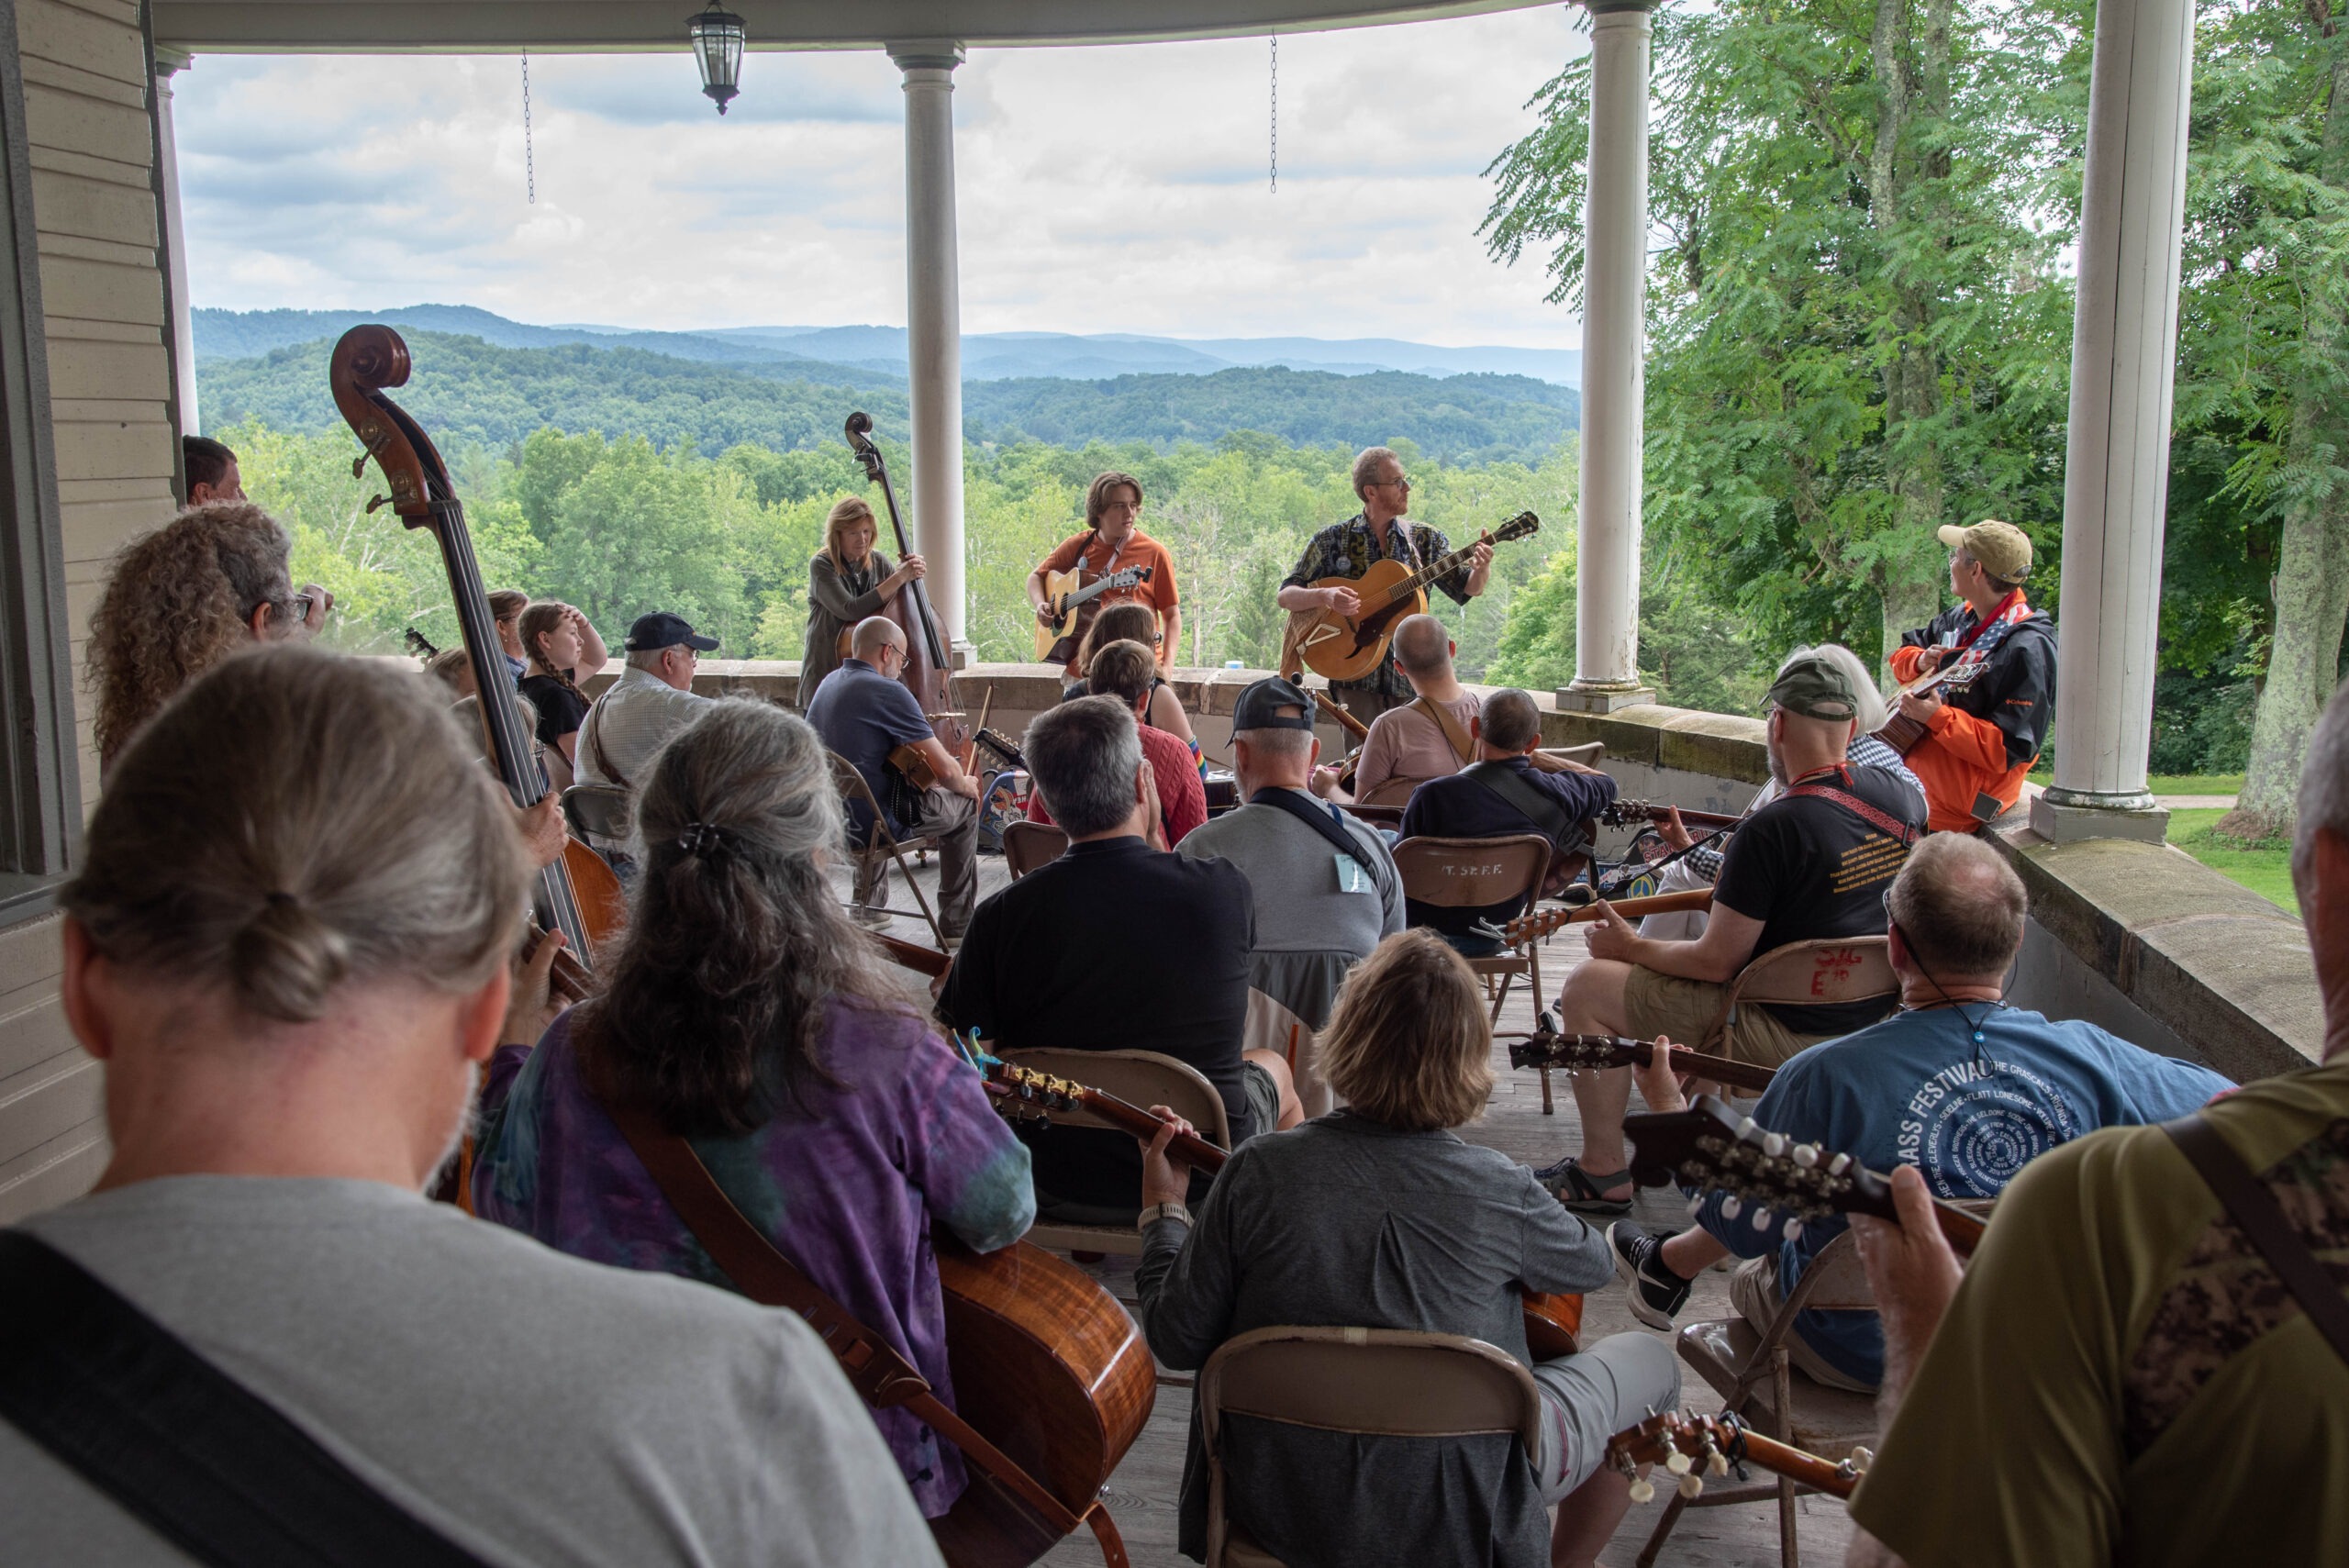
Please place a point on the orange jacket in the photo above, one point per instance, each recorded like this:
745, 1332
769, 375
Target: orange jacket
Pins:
1965, 754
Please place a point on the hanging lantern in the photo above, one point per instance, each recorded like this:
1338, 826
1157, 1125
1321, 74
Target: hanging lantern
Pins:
717, 37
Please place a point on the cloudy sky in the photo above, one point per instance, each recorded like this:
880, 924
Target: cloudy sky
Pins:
1101, 190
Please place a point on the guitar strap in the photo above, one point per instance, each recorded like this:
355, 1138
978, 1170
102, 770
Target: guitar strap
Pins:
1454, 736
1318, 817
2252, 1204
1538, 806
208, 1464
1882, 822
876, 1369
595, 744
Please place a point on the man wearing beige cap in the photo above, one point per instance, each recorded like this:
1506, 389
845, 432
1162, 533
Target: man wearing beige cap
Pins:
1985, 722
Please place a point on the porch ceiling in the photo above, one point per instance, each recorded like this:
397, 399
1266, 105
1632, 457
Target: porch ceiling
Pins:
462, 26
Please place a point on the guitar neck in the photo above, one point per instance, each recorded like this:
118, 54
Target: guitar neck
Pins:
1531, 928
1430, 571
1586, 1051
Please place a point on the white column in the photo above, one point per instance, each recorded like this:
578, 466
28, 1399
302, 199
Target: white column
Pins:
934, 320
2116, 482
1614, 375
168, 62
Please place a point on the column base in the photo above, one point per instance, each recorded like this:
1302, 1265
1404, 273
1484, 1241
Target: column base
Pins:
2066, 817
964, 652
1602, 699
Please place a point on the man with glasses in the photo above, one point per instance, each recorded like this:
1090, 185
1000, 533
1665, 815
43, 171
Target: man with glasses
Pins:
1377, 532
652, 701
1113, 542
1957, 1083
865, 712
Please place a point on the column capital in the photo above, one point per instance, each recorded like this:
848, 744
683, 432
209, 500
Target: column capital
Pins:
169, 61
1616, 7
926, 54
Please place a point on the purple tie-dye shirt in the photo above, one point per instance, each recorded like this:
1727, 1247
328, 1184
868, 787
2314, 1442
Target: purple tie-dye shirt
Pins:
849, 1192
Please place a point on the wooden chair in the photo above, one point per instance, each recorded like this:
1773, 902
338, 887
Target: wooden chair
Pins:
1376, 1382
880, 847
1143, 1078
600, 813
1757, 1381
1821, 972
1027, 845
1466, 874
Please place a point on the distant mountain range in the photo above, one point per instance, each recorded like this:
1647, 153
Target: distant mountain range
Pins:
990, 356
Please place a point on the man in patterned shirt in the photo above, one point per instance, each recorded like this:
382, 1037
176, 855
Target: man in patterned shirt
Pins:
2123, 1376
1377, 532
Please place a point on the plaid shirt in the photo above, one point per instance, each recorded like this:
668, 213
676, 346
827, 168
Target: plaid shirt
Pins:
1347, 549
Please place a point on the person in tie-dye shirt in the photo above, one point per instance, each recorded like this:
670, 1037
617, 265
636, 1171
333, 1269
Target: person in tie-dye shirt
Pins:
746, 1011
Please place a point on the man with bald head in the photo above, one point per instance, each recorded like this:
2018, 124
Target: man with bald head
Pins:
866, 714
1427, 738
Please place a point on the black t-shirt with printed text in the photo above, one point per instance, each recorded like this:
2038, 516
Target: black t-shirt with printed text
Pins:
1809, 868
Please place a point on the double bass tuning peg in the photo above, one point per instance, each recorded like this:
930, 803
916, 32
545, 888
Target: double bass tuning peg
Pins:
359, 466
375, 501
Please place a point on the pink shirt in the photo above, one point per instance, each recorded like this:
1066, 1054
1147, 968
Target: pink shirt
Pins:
1406, 743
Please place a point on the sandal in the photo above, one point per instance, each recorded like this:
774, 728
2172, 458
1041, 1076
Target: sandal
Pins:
1584, 1193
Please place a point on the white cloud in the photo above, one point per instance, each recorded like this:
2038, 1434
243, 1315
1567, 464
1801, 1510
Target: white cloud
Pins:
1100, 190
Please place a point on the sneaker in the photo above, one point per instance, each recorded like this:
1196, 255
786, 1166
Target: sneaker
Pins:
1655, 1292
869, 917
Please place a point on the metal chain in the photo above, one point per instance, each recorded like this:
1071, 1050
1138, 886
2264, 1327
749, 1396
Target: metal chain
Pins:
1276, 114
530, 160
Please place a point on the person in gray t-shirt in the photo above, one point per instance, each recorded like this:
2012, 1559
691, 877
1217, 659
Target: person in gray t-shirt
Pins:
1319, 909
292, 960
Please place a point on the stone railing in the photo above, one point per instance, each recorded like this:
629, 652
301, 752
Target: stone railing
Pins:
2140, 937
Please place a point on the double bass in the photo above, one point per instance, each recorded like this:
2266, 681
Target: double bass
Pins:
367, 359
928, 673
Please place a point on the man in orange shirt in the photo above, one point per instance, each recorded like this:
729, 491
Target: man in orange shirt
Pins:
1113, 542
1985, 725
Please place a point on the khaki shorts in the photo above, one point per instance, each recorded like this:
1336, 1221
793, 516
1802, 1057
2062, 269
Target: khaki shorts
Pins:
1685, 1010
1755, 1294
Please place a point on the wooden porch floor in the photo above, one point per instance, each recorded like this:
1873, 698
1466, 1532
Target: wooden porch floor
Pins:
1143, 1491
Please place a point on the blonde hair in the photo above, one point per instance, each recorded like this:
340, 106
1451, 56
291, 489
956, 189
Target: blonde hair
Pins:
253, 836
179, 601
845, 512
1407, 1043
451, 667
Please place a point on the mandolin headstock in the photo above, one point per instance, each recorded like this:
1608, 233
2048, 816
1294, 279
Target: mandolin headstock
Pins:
1772, 1181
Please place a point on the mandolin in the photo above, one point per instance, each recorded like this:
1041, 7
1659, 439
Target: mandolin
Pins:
1692, 1447
1776, 1183
1073, 603
367, 359
1546, 1047
1350, 647
1553, 1323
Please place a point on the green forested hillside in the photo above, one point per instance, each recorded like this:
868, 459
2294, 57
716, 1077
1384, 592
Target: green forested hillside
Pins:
468, 391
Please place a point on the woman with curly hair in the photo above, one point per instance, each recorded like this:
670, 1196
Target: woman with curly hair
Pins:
559, 643
208, 582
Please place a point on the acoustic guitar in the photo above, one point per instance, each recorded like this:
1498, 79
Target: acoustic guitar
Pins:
1552, 1322
1075, 602
1348, 648
1546, 1047
1692, 1447
1773, 1182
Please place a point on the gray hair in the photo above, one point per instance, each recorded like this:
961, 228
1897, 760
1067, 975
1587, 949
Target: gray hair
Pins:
296, 821
1960, 908
1084, 755
1422, 646
1366, 462
647, 658
1872, 711
1277, 743
2324, 792
1512, 722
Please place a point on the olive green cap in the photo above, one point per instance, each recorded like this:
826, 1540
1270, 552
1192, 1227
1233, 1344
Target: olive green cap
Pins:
2002, 548
1812, 687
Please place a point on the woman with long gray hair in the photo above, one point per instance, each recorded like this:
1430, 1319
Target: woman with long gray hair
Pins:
747, 1014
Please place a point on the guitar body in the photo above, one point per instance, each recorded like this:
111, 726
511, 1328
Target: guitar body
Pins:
1056, 643
1552, 1325
603, 902
1050, 1369
1341, 650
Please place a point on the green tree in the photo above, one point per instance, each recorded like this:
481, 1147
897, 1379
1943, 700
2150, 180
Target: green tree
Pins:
1858, 322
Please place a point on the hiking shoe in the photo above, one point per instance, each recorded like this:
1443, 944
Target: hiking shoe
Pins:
1655, 1292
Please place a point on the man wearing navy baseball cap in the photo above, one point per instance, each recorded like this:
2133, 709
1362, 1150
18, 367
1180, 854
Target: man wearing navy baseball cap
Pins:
652, 701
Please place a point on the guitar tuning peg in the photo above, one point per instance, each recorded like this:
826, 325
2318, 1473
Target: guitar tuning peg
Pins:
1731, 1208
1794, 1226
1717, 1464
1696, 1205
1838, 1165
1643, 1490
1762, 1217
1746, 1127
1806, 1155
1773, 1144
1862, 1458
1677, 1462
1691, 1487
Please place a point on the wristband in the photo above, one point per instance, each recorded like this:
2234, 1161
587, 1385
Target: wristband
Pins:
1158, 1211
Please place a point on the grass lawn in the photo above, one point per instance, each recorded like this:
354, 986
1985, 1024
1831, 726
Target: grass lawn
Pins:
2173, 783
2266, 869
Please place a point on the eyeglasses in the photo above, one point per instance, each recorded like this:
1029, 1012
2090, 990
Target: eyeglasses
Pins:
300, 605
1401, 481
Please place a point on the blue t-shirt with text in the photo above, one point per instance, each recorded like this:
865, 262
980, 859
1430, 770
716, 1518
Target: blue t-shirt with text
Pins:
1916, 1090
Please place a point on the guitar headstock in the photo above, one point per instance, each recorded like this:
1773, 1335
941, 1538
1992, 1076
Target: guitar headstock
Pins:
1625, 813
1689, 1447
1522, 526
1571, 1052
1025, 1093
1770, 1181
